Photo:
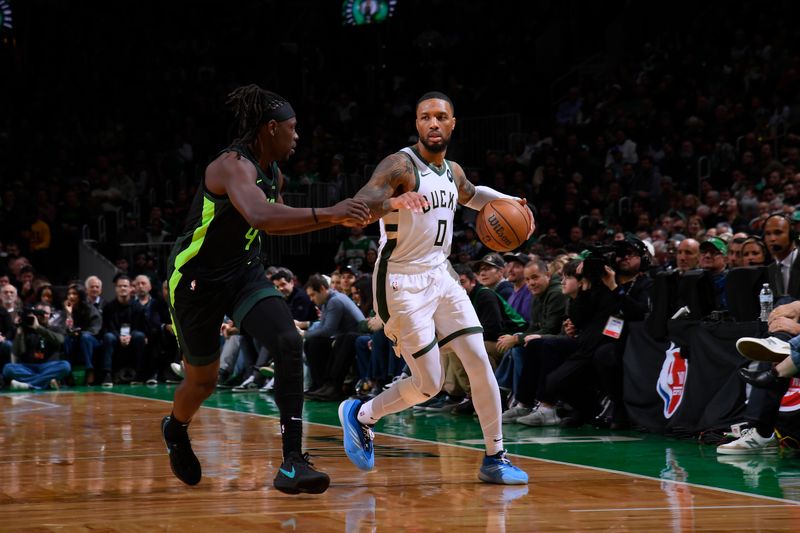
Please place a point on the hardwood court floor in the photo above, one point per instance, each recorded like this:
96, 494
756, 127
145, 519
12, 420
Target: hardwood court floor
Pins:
77, 461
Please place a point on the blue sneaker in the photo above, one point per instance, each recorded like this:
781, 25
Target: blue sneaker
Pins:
498, 469
357, 436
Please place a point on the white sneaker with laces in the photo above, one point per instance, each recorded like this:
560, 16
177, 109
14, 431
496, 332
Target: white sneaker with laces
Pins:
394, 381
540, 416
269, 386
770, 349
514, 413
18, 385
750, 443
248, 385
177, 368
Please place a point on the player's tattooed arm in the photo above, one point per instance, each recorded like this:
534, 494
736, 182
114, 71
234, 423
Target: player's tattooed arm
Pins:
466, 190
389, 182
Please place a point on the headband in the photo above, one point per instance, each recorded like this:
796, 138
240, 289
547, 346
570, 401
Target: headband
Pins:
280, 113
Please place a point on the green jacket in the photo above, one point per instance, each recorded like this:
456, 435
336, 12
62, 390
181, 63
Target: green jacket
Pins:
549, 310
33, 347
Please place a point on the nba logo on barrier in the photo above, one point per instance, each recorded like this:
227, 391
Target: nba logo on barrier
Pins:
672, 379
791, 400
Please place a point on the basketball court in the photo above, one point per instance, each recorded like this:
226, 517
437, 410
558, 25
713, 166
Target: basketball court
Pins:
88, 459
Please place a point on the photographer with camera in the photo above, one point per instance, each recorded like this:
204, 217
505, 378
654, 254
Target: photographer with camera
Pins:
37, 348
614, 290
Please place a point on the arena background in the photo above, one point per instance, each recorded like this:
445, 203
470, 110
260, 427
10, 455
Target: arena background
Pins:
139, 87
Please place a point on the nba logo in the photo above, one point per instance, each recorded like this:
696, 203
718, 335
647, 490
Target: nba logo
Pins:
672, 380
791, 400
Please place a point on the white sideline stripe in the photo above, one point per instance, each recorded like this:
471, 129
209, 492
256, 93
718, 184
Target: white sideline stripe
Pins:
29, 398
551, 461
691, 508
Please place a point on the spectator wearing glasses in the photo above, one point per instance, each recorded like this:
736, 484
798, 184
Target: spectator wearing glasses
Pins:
714, 260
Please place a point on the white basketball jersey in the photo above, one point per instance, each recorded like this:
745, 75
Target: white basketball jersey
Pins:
421, 240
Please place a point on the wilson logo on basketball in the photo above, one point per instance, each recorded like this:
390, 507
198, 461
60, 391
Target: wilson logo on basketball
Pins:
503, 224
791, 400
499, 230
672, 380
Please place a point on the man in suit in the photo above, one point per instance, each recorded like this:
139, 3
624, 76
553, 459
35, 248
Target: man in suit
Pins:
784, 271
784, 281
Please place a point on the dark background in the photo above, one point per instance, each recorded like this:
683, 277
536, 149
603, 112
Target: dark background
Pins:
87, 86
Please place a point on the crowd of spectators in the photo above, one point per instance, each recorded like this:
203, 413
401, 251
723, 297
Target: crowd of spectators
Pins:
681, 150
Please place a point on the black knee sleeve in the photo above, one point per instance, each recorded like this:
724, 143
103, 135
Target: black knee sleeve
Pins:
270, 322
289, 367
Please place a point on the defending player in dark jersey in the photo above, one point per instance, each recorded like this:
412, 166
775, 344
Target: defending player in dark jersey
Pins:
215, 270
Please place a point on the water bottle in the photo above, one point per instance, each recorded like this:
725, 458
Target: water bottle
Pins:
765, 299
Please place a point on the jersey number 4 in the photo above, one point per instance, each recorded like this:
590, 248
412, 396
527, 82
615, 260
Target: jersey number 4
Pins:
251, 235
441, 233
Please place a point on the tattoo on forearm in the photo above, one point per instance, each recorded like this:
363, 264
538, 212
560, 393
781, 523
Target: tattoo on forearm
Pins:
390, 175
466, 190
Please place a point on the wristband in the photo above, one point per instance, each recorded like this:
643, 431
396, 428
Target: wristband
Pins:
484, 195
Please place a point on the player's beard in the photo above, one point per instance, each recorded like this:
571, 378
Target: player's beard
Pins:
435, 148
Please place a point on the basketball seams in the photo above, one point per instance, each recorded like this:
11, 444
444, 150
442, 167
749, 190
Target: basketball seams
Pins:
508, 225
483, 234
504, 215
524, 210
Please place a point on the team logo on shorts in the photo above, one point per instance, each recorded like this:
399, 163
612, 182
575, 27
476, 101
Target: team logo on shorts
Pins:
672, 380
395, 285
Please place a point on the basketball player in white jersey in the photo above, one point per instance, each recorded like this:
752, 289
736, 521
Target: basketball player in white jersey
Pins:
415, 193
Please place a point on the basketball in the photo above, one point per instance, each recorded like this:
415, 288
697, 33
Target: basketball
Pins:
503, 224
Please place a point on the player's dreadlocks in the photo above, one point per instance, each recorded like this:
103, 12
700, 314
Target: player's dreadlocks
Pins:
252, 107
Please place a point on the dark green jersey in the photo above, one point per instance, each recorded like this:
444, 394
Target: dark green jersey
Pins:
217, 242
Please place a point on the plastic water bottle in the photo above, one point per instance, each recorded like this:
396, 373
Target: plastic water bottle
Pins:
765, 299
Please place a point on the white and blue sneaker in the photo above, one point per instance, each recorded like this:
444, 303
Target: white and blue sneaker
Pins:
498, 469
357, 436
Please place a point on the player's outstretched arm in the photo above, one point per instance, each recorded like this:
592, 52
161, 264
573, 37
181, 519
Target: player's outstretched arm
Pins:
390, 188
476, 197
277, 218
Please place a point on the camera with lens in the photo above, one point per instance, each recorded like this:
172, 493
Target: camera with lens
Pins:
28, 315
596, 259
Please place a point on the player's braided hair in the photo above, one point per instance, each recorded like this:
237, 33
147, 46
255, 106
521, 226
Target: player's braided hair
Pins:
251, 105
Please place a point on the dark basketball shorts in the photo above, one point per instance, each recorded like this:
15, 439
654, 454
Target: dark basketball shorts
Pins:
198, 308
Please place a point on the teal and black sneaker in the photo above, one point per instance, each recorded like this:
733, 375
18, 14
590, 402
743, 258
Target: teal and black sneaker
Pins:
182, 459
297, 475
357, 436
498, 469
